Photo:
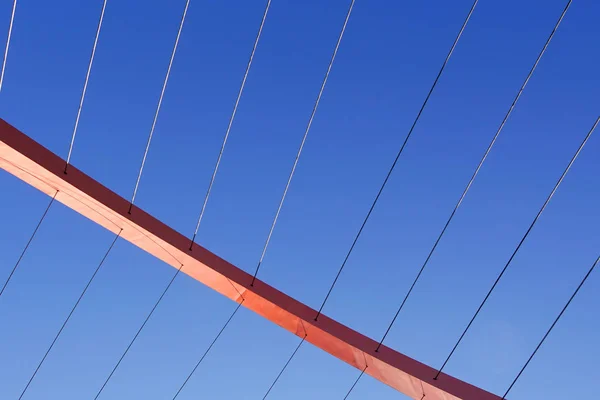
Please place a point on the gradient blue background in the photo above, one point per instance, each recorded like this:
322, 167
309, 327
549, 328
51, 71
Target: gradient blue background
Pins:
387, 61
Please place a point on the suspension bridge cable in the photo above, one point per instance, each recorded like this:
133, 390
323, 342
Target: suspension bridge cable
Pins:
85, 85
552, 326
389, 173
310, 121
138, 181
288, 182
470, 183
208, 350
286, 187
235, 107
137, 333
70, 314
514, 253
356, 382
10, 28
160, 99
37, 227
284, 367
166, 289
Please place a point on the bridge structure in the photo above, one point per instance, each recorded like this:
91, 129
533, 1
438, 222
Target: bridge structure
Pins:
32, 163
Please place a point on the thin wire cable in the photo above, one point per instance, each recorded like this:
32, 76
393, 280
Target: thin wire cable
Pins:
135, 192
28, 243
514, 253
70, 314
284, 367
310, 121
470, 183
10, 27
85, 85
235, 107
356, 382
552, 326
208, 350
160, 99
138, 333
389, 173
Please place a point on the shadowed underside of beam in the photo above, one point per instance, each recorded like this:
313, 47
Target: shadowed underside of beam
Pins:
29, 161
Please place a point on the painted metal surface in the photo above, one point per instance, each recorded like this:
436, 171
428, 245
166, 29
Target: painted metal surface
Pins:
31, 162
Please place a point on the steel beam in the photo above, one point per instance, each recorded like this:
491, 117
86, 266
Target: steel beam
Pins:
42, 169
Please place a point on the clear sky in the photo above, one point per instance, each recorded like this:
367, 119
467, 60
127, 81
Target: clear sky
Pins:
387, 61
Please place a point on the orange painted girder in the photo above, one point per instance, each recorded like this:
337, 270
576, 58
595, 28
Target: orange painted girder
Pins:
42, 169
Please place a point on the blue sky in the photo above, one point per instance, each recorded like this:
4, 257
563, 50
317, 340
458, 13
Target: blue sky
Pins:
386, 63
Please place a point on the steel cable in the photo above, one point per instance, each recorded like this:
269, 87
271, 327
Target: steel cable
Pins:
37, 227
160, 100
389, 173
299, 153
470, 183
516, 250
66, 321
235, 107
10, 28
85, 84
562, 311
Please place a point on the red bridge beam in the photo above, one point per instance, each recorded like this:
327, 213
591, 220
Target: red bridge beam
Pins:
42, 169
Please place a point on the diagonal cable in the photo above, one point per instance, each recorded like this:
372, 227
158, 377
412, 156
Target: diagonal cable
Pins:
69, 316
516, 250
137, 185
10, 28
166, 289
284, 367
470, 183
37, 227
208, 350
310, 121
286, 188
235, 107
389, 173
85, 85
112, 372
552, 326
160, 99
356, 382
